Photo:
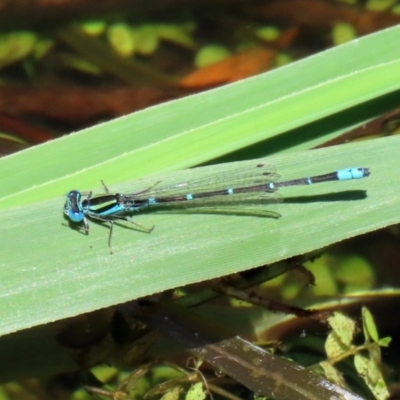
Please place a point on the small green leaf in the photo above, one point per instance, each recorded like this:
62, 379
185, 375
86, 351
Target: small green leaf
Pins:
344, 327
93, 27
343, 33
173, 394
121, 39
196, 392
334, 347
176, 34
355, 273
369, 326
332, 374
268, 33
211, 54
147, 39
15, 46
369, 371
42, 47
80, 64
379, 5
324, 277
384, 342
361, 364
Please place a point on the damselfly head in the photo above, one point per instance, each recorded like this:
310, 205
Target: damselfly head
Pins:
72, 207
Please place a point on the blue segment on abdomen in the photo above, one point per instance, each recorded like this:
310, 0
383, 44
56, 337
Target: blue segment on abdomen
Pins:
350, 173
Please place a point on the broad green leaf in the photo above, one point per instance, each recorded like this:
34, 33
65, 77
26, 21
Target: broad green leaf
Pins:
49, 271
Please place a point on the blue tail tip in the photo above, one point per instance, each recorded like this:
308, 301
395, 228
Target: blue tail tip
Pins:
353, 173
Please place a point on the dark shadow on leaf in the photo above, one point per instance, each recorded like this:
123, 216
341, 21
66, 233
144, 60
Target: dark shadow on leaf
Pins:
348, 195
